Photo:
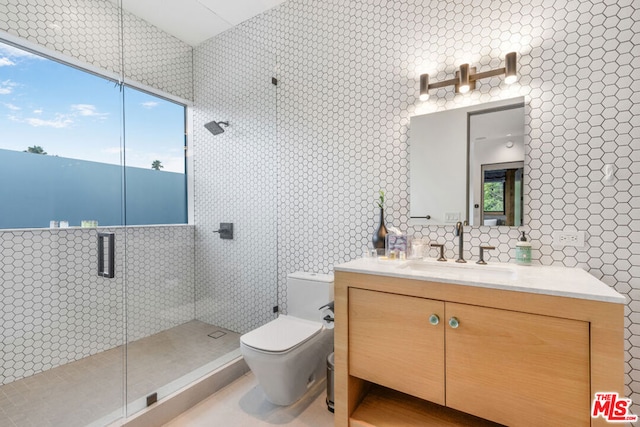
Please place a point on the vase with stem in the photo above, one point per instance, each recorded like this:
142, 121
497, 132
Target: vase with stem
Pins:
380, 236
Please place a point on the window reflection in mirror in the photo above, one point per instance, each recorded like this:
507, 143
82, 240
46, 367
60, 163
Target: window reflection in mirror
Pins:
502, 194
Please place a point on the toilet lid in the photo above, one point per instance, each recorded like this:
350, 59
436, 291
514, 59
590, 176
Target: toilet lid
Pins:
281, 334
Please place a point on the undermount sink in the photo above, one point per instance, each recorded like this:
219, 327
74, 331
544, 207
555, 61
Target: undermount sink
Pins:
497, 271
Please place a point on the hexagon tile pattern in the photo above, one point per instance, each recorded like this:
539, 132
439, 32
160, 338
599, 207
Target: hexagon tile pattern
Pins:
55, 309
235, 181
159, 278
89, 31
348, 84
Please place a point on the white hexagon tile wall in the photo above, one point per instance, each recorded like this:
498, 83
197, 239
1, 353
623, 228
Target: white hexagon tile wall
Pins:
348, 83
55, 309
235, 181
89, 31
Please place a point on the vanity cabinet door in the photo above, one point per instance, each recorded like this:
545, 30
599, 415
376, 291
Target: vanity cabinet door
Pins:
517, 368
397, 341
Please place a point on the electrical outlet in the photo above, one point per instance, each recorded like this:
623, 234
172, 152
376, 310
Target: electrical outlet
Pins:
452, 216
569, 238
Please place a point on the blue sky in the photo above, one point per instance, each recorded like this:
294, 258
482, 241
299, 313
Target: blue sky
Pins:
75, 114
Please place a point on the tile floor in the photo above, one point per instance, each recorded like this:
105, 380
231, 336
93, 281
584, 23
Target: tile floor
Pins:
243, 404
90, 390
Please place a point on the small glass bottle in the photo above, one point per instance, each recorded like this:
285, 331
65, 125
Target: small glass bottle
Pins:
523, 251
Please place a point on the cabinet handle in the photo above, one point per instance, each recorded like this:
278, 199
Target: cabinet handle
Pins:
434, 319
454, 323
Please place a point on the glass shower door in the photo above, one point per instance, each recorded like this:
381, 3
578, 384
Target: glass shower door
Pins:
191, 294
61, 355
159, 242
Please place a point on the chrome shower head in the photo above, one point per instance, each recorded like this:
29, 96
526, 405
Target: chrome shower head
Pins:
215, 128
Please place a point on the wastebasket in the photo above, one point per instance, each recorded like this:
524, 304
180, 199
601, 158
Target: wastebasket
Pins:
330, 382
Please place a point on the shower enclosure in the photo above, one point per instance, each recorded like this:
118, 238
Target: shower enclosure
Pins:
81, 346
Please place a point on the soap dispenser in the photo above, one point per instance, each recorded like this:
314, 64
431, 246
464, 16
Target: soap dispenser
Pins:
523, 251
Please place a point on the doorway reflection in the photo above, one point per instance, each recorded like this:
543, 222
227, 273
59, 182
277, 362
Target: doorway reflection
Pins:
501, 194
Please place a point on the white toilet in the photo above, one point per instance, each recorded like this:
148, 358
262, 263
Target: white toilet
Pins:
289, 354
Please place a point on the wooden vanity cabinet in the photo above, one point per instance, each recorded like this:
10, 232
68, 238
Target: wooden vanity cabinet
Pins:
392, 343
512, 358
518, 368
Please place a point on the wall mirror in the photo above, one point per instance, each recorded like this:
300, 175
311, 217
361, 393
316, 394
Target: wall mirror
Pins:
467, 164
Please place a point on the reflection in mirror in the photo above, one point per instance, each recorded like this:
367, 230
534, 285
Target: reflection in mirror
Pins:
496, 164
501, 194
448, 151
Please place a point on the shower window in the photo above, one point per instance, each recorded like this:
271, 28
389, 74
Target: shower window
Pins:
62, 151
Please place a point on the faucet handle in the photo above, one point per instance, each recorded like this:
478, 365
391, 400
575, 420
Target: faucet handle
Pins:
441, 246
481, 261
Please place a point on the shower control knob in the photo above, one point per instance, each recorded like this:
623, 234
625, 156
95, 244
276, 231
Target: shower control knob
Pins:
454, 323
434, 319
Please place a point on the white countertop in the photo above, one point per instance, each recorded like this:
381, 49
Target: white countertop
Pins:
547, 280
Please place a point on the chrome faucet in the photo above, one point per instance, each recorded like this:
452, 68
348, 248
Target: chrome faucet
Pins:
459, 231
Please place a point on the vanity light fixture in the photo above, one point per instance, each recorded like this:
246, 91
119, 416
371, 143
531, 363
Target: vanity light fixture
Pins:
466, 77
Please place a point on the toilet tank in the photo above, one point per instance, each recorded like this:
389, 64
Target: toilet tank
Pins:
307, 292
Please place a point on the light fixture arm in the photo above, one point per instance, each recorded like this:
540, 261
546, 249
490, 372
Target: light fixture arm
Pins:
486, 74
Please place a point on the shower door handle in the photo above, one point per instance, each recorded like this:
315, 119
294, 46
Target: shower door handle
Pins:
110, 252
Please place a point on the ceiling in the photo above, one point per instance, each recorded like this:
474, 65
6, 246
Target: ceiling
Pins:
194, 21
507, 125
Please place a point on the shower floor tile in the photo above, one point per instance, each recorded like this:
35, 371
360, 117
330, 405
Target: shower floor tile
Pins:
78, 393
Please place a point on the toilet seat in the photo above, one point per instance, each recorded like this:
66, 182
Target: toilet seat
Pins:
281, 335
